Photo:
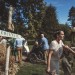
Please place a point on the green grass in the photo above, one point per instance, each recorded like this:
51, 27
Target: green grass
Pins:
35, 69
32, 69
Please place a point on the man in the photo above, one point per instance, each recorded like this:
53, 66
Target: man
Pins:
55, 52
19, 42
45, 46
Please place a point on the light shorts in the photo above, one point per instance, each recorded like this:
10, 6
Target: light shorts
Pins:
54, 66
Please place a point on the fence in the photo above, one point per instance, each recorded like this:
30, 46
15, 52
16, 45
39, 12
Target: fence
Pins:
5, 60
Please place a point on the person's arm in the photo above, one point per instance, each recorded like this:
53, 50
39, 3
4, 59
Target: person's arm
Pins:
48, 61
69, 49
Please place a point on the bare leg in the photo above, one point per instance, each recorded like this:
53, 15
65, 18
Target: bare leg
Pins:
19, 56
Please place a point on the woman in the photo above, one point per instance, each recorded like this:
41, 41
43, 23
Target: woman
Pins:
55, 52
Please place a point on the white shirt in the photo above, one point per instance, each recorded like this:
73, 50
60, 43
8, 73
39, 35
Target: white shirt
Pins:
57, 49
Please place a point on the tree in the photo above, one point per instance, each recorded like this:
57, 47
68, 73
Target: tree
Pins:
50, 22
72, 20
34, 11
26, 12
16, 17
3, 15
72, 16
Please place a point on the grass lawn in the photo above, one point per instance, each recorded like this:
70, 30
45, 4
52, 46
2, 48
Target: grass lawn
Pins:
36, 69
32, 69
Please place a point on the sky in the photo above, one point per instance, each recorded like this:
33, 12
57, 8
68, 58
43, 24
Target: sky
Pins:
62, 9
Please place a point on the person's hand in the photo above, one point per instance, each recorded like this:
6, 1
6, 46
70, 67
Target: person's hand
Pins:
66, 46
69, 49
48, 70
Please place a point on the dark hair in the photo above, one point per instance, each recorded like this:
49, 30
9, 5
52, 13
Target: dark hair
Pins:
57, 33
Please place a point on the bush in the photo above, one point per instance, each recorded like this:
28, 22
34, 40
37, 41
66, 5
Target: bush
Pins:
31, 42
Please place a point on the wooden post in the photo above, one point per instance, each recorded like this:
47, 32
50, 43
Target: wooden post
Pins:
7, 61
10, 25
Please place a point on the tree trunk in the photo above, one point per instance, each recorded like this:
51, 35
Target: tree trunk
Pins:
10, 25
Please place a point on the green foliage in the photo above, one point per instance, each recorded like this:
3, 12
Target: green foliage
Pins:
50, 22
40, 17
3, 15
35, 12
72, 21
72, 16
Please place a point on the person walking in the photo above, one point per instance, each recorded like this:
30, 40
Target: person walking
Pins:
19, 42
55, 52
44, 46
